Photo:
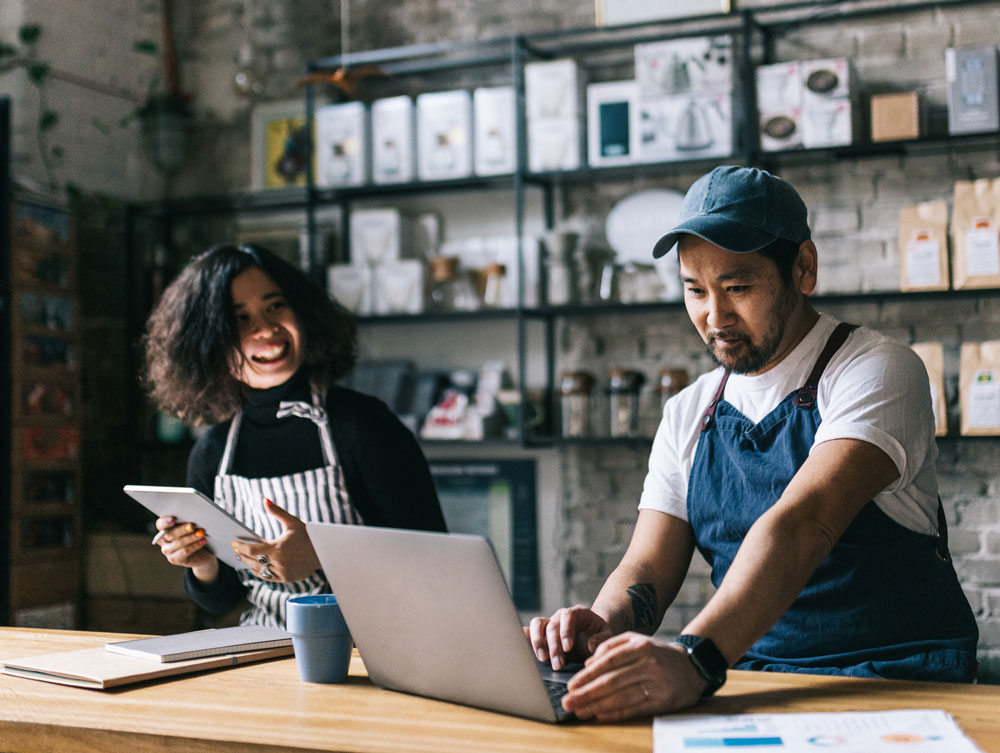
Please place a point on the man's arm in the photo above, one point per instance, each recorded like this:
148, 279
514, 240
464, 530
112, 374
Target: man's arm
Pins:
633, 675
634, 597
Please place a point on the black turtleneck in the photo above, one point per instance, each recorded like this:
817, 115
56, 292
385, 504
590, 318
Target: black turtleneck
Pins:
384, 470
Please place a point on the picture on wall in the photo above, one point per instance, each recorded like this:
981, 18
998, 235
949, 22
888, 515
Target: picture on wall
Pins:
278, 146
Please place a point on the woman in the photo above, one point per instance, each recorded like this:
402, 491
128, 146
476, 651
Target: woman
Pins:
245, 341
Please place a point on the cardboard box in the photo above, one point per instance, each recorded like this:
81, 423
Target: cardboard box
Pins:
444, 135
379, 235
612, 118
827, 79
831, 122
975, 232
351, 286
554, 144
685, 127
552, 90
495, 145
895, 117
342, 145
972, 89
691, 65
399, 287
979, 388
393, 140
779, 106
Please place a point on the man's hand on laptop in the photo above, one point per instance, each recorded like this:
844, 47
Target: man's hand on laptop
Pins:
573, 632
633, 675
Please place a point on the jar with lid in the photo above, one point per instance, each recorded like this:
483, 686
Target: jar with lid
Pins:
575, 388
444, 272
493, 275
623, 396
672, 381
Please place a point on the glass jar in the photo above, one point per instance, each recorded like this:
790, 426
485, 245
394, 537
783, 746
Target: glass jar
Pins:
575, 388
444, 272
623, 397
493, 275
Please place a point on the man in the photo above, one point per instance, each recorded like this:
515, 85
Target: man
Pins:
802, 469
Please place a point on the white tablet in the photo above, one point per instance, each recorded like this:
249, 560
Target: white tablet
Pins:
191, 506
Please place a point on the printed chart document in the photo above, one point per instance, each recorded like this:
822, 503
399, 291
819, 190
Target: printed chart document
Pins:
915, 731
198, 643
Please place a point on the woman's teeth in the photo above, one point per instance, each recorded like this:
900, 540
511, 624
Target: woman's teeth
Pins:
270, 355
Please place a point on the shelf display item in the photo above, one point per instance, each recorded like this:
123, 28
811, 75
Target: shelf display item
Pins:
690, 65
932, 354
971, 74
380, 234
636, 223
560, 268
451, 288
671, 381
830, 113
623, 399
923, 246
895, 117
279, 145
399, 287
979, 388
779, 106
684, 127
493, 285
342, 145
975, 229
393, 140
495, 145
444, 135
351, 286
574, 390
552, 90
612, 112
554, 144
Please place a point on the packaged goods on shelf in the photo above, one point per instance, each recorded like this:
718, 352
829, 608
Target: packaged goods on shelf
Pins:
975, 230
612, 119
895, 117
393, 140
554, 144
495, 145
923, 246
979, 388
701, 65
779, 106
685, 127
351, 286
444, 135
971, 74
342, 145
830, 112
399, 287
553, 104
932, 354
379, 235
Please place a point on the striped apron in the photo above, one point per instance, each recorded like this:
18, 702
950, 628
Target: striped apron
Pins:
316, 495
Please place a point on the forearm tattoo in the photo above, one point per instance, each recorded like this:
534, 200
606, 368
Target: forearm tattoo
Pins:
643, 597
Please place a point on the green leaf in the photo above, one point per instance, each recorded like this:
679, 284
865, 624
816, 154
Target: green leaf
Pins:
58, 152
101, 126
38, 72
29, 33
47, 120
146, 47
7, 50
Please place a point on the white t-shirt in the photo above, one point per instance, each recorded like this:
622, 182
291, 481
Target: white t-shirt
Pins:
874, 389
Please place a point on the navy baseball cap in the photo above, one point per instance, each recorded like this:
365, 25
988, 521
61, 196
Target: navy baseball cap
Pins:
739, 209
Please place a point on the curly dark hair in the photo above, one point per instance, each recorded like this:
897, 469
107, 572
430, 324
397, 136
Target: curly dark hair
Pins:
192, 345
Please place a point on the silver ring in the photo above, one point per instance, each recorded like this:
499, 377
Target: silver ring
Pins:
265, 572
645, 692
158, 538
262, 559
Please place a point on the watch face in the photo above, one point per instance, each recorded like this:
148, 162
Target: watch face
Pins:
707, 660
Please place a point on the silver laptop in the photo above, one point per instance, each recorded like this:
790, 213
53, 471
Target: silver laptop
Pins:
431, 615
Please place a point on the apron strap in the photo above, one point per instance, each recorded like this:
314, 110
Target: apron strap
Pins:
942, 547
315, 413
709, 415
806, 396
227, 453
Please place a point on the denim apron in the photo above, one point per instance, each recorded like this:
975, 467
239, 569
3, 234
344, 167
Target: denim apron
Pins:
884, 603
316, 495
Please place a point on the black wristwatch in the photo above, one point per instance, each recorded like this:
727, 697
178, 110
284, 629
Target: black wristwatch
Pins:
708, 661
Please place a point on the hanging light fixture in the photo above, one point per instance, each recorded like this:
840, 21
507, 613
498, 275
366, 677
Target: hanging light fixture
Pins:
247, 82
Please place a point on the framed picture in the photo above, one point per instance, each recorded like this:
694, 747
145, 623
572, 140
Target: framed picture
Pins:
279, 146
618, 12
495, 499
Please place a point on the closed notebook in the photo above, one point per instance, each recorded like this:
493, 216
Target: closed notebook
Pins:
98, 669
199, 643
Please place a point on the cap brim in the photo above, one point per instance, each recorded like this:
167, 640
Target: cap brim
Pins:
729, 236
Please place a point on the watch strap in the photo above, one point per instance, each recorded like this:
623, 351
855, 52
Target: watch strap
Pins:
708, 661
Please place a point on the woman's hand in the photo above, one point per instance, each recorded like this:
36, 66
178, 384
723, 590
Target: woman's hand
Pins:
183, 544
286, 559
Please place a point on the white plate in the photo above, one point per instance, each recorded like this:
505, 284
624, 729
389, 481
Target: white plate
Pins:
637, 222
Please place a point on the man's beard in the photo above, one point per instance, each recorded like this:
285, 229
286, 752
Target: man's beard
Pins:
756, 357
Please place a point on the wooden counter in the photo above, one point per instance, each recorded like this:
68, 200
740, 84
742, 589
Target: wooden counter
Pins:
264, 707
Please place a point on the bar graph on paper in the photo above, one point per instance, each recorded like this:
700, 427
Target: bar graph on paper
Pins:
909, 731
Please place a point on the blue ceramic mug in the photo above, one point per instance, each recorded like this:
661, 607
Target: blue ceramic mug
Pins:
320, 637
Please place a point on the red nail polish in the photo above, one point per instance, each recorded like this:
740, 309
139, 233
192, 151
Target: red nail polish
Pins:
268, 502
